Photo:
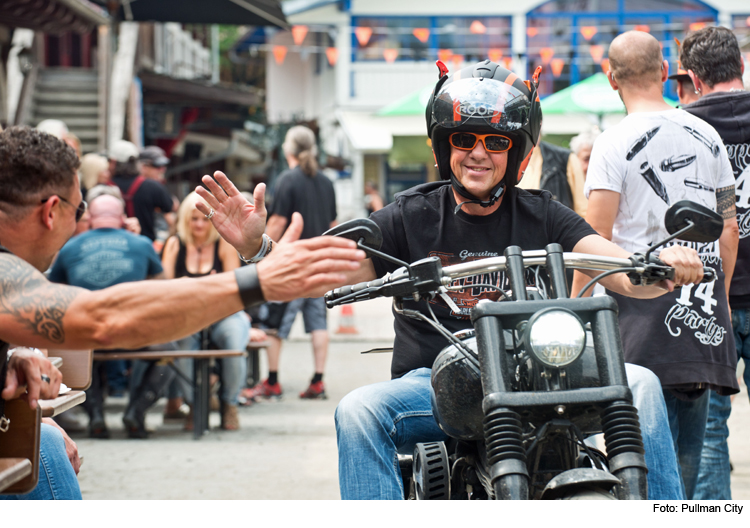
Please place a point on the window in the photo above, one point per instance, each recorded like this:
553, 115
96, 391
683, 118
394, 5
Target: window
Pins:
569, 39
430, 38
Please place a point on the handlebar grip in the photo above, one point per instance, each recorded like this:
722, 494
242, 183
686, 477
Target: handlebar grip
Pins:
344, 291
338, 293
709, 274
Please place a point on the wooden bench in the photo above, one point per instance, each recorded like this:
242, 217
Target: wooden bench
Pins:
200, 382
13, 470
76, 368
253, 361
21, 441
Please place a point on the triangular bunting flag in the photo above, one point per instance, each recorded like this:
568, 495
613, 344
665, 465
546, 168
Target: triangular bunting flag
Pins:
279, 52
557, 66
588, 31
422, 34
332, 54
546, 54
298, 34
495, 54
597, 52
390, 54
363, 35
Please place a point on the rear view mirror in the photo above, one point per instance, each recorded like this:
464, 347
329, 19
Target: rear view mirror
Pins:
360, 230
707, 225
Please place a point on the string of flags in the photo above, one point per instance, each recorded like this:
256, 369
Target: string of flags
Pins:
363, 35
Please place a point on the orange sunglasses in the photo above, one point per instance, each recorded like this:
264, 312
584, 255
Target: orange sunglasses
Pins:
494, 143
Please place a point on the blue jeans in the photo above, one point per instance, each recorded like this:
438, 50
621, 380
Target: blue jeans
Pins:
687, 421
231, 333
375, 422
57, 480
714, 481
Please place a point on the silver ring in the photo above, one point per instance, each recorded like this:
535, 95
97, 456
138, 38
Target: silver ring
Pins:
210, 215
45, 378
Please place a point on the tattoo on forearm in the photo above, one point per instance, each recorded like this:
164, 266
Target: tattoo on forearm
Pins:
725, 202
32, 300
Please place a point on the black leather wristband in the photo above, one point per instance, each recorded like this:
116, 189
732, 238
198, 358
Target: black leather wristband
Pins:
249, 285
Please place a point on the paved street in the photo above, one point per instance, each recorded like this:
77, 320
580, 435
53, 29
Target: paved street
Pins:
285, 449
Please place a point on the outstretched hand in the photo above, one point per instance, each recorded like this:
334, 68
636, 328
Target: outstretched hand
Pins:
306, 268
238, 221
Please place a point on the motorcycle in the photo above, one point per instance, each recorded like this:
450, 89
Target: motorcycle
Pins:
538, 372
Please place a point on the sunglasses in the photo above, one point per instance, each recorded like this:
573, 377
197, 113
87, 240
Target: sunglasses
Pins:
492, 142
80, 209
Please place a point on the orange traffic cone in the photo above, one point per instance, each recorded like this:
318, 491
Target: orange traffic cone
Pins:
346, 322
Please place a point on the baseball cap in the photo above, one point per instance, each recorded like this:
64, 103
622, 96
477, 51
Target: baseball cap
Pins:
53, 126
680, 75
154, 156
121, 151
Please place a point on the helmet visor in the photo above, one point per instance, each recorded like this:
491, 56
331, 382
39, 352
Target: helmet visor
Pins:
481, 102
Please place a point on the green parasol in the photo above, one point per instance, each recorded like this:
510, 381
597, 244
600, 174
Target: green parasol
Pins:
592, 95
412, 104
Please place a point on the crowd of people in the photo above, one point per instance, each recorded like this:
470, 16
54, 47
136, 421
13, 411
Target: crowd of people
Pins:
607, 196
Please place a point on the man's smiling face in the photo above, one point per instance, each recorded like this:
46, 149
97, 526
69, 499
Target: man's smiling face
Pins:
478, 170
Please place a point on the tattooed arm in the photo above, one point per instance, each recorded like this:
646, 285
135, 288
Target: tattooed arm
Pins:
730, 236
36, 312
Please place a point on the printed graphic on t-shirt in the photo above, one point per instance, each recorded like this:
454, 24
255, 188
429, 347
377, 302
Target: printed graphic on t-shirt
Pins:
694, 312
654, 160
475, 287
739, 157
106, 262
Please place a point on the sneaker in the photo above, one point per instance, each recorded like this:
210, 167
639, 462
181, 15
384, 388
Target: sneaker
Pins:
316, 391
263, 390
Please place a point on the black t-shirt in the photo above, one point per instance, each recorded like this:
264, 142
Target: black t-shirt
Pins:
311, 196
151, 195
421, 223
729, 114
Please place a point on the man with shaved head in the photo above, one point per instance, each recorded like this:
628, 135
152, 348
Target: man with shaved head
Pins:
97, 259
655, 157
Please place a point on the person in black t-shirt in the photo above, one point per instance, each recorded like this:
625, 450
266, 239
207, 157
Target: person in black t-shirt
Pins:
483, 122
142, 195
714, 63
303, 189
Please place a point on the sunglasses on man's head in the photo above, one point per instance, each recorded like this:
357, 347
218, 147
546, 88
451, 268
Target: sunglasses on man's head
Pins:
494, 143
80, 209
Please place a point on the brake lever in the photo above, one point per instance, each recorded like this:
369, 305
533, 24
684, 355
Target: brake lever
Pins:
653, 271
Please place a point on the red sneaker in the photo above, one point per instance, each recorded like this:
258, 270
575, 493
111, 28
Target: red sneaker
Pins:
263, 390
316, 391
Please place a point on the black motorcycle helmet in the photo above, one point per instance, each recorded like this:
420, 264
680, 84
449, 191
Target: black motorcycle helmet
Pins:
484, 99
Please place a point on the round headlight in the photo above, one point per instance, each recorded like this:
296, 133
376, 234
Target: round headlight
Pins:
555, 337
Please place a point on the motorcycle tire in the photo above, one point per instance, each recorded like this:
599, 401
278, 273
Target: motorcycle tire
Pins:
591, 494
431, 472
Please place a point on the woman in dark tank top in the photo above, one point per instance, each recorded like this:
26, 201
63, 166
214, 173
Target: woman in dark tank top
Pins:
196, 251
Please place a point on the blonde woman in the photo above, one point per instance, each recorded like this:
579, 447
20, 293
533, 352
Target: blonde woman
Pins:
94, 170
196, 251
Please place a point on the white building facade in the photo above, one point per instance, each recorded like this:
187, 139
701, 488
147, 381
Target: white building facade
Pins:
354, 57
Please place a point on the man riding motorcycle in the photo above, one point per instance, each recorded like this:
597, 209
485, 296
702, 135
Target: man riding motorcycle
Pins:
483, 122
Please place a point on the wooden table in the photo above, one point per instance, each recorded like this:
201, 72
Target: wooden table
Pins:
200, 382
70, 399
